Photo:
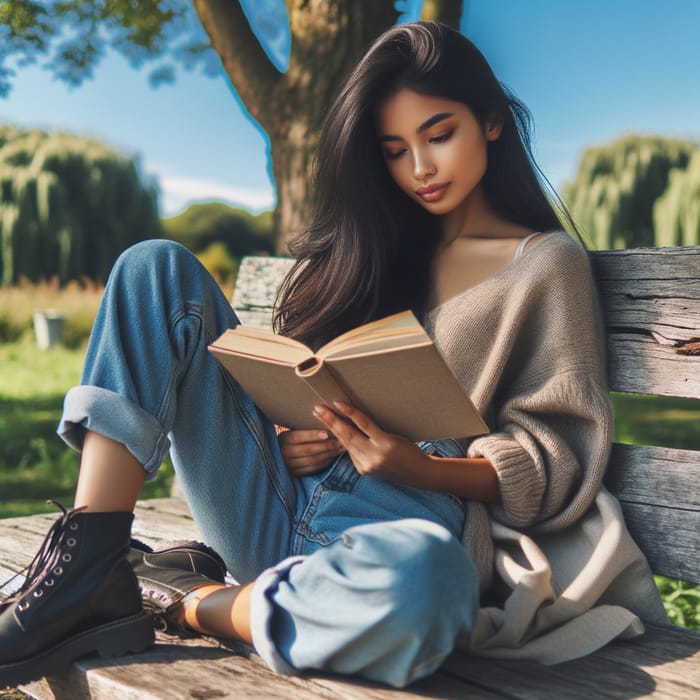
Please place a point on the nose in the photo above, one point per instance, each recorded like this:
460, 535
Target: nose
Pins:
423, 166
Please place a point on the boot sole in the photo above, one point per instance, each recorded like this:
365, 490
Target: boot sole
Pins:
130, 634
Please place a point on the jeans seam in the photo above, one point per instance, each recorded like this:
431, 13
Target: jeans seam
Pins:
177, 369
251, 425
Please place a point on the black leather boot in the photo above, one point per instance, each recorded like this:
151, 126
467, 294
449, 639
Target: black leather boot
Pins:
167, 575
80, 596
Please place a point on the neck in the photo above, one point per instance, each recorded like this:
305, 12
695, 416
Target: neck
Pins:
471, 218
474, 218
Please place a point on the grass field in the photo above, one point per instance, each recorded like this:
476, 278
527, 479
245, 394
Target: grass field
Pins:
36, 465
34, 462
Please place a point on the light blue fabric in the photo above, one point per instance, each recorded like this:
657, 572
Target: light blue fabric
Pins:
377, 584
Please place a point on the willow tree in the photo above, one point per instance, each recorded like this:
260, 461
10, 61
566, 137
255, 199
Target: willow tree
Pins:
677, 211
617, 185
68, 206
327, 37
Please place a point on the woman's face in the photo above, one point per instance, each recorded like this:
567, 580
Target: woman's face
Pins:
435, 149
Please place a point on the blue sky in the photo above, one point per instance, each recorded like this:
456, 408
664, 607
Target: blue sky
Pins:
589, 72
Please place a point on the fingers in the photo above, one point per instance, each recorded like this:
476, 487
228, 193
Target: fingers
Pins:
343, 431
308, 451
295, 437
307, 443
310, 463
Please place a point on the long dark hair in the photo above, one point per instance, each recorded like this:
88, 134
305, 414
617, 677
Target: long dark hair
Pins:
368, 250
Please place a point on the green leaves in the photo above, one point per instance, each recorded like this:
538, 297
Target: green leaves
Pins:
681, 601
74, 35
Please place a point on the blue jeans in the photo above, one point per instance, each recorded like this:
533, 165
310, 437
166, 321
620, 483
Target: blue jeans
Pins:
352, 574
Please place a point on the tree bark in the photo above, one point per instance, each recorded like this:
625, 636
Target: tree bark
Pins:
328, 36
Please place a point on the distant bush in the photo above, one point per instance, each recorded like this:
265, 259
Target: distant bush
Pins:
242, 233
219, 262
68, 206
638, 191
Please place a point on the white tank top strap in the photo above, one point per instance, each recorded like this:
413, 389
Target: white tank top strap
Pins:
521, 247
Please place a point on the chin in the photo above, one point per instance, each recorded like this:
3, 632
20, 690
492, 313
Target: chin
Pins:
436, 208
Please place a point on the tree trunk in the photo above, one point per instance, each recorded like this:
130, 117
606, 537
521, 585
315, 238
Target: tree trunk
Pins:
292, 167
328, 36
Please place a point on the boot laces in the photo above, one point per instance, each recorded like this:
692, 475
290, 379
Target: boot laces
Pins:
47, 558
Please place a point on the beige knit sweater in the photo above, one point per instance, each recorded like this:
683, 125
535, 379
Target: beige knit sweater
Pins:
554, 554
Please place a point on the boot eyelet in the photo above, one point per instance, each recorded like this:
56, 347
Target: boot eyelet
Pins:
38, 593
71, 542
73, 526
23, 606
49, 582
58, 570
66, 557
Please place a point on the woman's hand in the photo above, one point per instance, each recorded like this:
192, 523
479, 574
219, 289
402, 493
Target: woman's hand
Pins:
308, 451
373, 451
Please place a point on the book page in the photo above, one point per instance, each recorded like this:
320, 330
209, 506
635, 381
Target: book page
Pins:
263, 343
398, 330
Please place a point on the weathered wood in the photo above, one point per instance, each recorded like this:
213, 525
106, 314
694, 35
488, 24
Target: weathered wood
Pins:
655, 476
222, 671
651, 303
257, 282
639, 364
668, 537
661, 664
659, 489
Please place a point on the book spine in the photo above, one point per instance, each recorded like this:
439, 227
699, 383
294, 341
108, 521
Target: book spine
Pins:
316, 375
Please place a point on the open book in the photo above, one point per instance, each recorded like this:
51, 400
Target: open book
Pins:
390, 369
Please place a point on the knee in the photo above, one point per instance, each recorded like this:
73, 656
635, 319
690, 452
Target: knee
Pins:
423, 594
153, 261
425, 570
149, 254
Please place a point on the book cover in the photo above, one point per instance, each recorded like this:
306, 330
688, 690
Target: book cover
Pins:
390, 369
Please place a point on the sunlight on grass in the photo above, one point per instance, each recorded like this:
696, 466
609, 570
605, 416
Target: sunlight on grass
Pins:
657, 420
27, 372
35, 464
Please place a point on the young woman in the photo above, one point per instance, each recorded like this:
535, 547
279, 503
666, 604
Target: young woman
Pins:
359, 551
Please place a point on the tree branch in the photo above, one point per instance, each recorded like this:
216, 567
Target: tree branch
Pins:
252, 73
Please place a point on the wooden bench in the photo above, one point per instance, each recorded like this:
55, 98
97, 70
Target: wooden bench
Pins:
651, 299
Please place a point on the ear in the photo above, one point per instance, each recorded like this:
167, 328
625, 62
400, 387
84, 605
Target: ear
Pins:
493, 127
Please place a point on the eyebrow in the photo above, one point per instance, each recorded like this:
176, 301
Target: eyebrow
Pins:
425, 125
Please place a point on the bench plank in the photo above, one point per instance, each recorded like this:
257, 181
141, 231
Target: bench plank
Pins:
659, 490
668, 537
651, 303
658, 667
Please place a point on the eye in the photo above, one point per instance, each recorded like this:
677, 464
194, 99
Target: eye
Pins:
393, 155
441, 138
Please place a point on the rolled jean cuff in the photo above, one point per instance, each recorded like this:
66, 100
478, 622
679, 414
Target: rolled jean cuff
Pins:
261, 613
112, 415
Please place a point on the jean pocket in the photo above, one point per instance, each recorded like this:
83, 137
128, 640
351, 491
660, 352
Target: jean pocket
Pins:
442, 448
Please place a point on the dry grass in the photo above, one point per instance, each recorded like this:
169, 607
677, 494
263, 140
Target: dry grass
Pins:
77, 302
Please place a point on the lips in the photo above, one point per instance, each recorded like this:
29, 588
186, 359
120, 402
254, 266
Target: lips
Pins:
432, 193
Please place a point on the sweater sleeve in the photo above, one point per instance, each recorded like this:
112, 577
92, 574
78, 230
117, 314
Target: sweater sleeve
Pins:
552, 419
550, 450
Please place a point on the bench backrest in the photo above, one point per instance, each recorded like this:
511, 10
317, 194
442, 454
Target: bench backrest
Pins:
651, 304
